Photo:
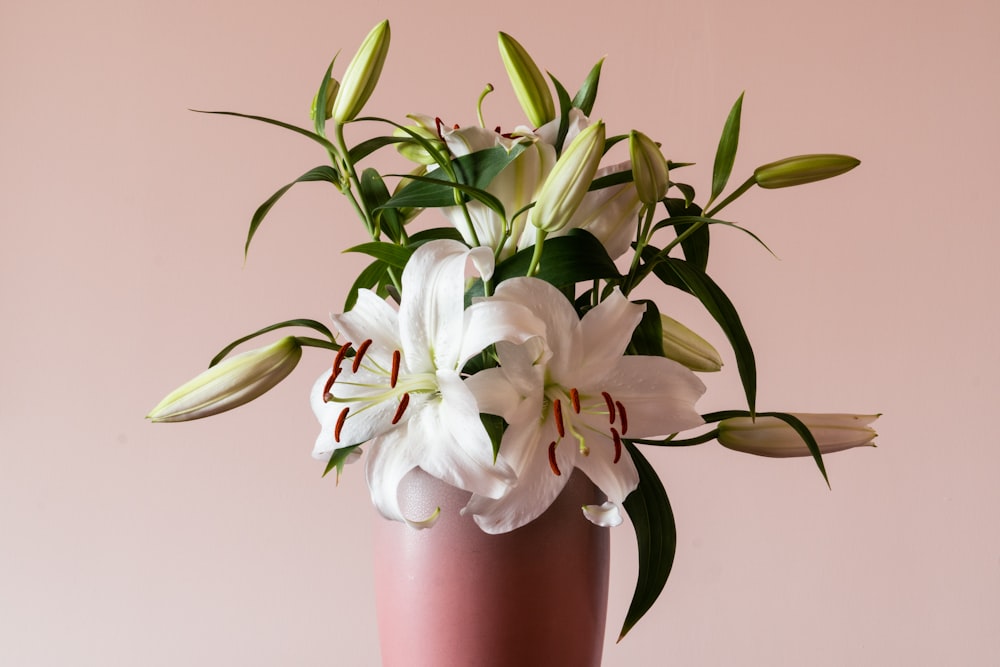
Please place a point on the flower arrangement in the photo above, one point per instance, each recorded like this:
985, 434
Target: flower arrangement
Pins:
502, 350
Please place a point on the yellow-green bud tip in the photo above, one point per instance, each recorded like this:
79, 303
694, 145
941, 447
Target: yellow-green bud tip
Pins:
649, 168
529, 85
362, 74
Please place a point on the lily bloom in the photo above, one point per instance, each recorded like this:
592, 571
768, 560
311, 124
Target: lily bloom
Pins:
770, 436
402, 392
570, 399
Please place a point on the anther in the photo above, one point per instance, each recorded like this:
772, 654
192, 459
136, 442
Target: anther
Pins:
552, 458
623, 416
395, 369
403, 402
339, 359
360, 354
340, 423
557, 412
327, 396
611, 406
574, 398
618, 445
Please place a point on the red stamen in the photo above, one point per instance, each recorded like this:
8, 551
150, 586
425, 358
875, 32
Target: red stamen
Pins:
403, 402
456, 126
624, 417
438, 124
557, 412
497, 129
395, 369
552, 458
574, 397
327, 396
618, 445
339, 359
360, 354
611, 406
340, 423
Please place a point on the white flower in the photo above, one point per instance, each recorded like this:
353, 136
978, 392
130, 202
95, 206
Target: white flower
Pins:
609, 213
570, 399
402, 392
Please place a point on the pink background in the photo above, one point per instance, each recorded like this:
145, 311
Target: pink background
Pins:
123, 216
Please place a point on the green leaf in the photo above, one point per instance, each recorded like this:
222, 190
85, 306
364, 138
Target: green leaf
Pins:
394, 255
338, 459
695, 246
372, 275
319, 119
320, 173
673, 271
435, 233
806, 436
565, 104
647, 339
473, 173
587, 95
725, 155
566, 260
312, 324
495, 427
366, 148
614, 178
322, 141
374, 193
656, 537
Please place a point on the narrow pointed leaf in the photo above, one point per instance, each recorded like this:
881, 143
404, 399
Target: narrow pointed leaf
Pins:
725, 155
373, 275
695, 246
311, 324
649, 510
587, 95
369, 146
338, 459
576, 257
565, 104
807, 437
393, 255
322, 141
647, 339
319, 118
374, 193
320, 173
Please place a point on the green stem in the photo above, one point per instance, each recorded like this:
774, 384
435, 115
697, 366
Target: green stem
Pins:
750, 182
536, 256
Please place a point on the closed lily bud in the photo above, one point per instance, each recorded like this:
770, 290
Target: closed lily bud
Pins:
567, 184
411, 149
803, 169
331, 93
362, 74
770, 436
529, 85
230, 383
688, 348
649, 168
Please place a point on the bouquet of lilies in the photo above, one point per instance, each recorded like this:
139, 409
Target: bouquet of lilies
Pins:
501, 349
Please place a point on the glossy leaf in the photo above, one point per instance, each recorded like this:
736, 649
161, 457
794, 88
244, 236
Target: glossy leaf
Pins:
587, 95
652, 518
393, 255
320, 173
374, 193
567, 260
647, 339
725, 155
323, 141
695, 246
366, 148
319, 112
565, 104
680, 273
373, 275
338, 459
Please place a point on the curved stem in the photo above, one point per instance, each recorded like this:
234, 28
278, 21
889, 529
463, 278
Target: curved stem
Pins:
749, 183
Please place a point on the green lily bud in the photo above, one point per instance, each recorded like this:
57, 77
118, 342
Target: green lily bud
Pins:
413, 151
649, 168
529, 85
362, 74
803, 169
567, 184
688, 348
331, 93
770, 436
230, 383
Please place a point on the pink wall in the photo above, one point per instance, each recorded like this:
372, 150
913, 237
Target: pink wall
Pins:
218, 543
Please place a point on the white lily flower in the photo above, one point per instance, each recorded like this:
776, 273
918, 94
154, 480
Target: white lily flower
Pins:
402, 392
609, 213
571, 399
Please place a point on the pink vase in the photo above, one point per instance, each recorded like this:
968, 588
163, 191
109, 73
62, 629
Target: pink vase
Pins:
454, 596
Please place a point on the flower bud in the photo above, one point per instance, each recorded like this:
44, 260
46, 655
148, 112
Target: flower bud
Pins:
362, 74
649, 168
688, 348
230, 383
410, 149
803, 169
529, 85
770, 436
331, 93
567, 184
